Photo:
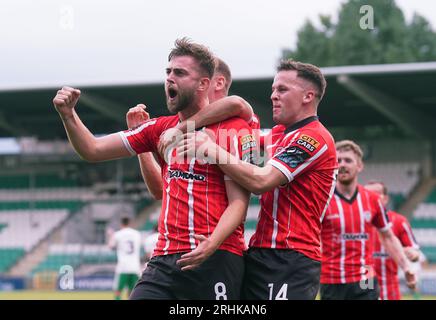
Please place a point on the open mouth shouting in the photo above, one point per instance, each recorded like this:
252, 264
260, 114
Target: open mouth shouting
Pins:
171, 94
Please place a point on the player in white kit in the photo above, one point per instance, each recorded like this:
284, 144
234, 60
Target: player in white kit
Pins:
127, 242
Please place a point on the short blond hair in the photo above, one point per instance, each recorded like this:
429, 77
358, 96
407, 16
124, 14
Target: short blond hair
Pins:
349, 145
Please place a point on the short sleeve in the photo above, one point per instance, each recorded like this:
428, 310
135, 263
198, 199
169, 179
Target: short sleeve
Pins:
298, 152
142, 139
380, 219
405, 234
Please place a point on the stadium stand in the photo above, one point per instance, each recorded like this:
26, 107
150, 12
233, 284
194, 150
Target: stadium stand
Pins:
75, 255
31, 207
45, 180
9, 256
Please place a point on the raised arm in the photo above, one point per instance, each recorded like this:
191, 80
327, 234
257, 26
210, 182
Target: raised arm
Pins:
87, 146
217, 111
253, 178
232, 217
150, 169
220, 110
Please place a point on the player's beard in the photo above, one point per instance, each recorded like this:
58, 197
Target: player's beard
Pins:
347, 180
184, 99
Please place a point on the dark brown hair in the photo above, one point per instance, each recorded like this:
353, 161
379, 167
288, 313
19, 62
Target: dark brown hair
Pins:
204, 57
307, 72
125, 221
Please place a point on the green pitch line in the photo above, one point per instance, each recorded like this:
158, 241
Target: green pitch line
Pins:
92, 295
56, 295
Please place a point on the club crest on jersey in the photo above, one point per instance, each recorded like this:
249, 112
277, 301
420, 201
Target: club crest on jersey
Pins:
177, 174
293, 156
367, 216
308, 142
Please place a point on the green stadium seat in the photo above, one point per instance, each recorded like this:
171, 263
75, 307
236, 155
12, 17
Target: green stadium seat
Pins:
148, 226
423, 223
26, 205
8, 257
254, 200
430, 253
431, 197
39, 181
250, 224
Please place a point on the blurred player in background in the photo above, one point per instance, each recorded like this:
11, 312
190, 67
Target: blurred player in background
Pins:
283, 261
347, 272
417, 267
385, 267
127, 243
150, 243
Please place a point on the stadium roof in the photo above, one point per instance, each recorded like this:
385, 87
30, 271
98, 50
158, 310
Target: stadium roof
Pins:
397, 98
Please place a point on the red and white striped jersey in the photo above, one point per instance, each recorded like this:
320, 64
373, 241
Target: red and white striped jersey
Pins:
346, 236
290, 215
194, 194
385, 267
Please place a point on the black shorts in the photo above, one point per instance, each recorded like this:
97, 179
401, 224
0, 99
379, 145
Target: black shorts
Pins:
274, 274
217, 278
350, 291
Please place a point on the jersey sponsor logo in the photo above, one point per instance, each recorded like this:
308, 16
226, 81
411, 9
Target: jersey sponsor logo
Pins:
293, 156
308, 142
247, 138
313, 142
249, 149
354, 236
248, 142
250, 157
177, 174
380, 255
249, 145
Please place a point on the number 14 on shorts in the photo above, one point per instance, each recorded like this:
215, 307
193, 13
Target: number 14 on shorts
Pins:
279, 291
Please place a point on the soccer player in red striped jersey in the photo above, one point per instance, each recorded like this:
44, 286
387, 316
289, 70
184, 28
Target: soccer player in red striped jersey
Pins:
283, 261
202, 211
233, 107
347, 271
385, 267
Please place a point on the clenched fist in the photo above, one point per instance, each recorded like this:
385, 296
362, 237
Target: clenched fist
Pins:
136, 116
65, 101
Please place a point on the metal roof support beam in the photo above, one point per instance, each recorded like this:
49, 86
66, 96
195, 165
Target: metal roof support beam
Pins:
412, 121
105, 107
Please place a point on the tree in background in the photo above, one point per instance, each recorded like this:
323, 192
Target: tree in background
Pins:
392, 40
